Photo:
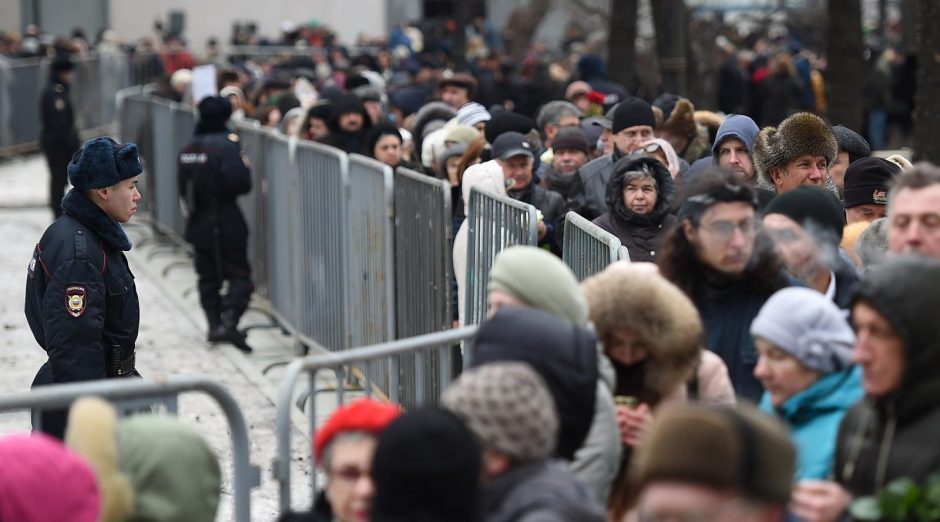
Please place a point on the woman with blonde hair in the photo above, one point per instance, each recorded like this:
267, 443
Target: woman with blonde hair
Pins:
652, 334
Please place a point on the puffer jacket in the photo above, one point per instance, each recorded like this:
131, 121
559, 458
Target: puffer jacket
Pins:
539, 492
641, 234
893, 436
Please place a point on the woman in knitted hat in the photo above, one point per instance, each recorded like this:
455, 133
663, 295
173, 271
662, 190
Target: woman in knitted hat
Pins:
804, 346
652, 334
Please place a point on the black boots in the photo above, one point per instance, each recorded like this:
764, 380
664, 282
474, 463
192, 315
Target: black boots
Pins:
226, 330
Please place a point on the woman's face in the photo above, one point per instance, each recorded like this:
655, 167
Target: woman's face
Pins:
388, 150
781, 374
625, 347
349, 487
318, 128
639, 195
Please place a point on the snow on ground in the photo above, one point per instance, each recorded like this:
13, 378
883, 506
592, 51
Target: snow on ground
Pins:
171, 341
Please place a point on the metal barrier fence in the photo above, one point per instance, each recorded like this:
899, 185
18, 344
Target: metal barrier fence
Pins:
135, 126
132, 393
588, 248
386, 354
321, 199
97, 80
173, 126
422, 276
494, 223
254, 204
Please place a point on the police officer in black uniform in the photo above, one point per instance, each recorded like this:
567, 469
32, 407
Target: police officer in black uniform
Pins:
81, 301
213, 172
58, 138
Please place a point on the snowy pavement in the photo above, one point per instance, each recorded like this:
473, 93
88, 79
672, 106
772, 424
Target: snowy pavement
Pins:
171, 340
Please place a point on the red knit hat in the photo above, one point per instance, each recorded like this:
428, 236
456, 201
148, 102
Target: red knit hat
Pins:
360, 415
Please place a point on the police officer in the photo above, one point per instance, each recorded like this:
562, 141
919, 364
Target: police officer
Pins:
213, 172
81, 301
58, 138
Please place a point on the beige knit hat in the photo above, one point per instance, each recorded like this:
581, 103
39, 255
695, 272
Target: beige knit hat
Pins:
508, 407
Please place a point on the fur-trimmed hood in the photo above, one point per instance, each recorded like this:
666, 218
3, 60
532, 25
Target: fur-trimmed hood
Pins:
77, 205
630, 297
801, 133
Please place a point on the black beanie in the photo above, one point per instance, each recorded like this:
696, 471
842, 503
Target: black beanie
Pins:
631, 113
214, 112
506, 122
426, 467
867, 181
810, 203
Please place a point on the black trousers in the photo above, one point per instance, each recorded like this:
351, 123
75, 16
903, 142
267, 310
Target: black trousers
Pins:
58, 162
230, 266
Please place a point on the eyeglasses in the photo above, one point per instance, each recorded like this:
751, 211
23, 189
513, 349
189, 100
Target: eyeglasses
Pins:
649, 149
724, 230
349, 474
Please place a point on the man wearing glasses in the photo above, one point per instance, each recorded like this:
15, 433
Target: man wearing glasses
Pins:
717, 256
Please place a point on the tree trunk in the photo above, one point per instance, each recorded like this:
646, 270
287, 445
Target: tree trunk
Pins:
846, 74
671, 24
621, 43
522, 25
927, 99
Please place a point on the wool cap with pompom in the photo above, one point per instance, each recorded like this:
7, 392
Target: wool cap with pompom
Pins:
103, 162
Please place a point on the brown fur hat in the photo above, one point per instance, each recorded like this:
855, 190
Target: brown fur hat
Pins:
631, 297
681, 121
801, 133
711, 120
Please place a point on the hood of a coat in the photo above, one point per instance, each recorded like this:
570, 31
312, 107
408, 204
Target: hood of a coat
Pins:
666, 189
832, 392
563, 354
906, 291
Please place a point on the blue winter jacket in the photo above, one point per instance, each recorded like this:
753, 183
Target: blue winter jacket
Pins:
813, 417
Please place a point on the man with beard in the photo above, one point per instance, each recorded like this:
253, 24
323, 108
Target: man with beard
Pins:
797, 152
719, 259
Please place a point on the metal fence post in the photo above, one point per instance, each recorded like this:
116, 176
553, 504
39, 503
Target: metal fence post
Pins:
588, 248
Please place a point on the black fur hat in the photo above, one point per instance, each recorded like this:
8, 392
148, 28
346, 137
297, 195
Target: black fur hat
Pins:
801, 133
103, 162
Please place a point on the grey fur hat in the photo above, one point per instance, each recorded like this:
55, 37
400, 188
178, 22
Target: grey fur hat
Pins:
872, 245
801, 133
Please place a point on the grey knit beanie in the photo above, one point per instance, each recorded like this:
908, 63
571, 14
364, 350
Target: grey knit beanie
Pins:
808, 326
508, 407
540, 280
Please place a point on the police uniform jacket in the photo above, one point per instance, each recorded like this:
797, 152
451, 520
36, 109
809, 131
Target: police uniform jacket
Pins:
58, 119
81, 301
212, 175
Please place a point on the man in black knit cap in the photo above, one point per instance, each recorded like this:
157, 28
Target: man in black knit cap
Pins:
867, 182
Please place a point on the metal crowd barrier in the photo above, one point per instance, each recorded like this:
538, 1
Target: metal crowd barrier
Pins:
132, 393
173, 126
135, 126
588, 248
494, 223
386, 354
254, 204
97, 80
422, 275
322, 255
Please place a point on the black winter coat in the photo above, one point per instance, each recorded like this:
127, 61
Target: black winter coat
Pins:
641, 235
58, 134
893, 436
212, 175
81, 301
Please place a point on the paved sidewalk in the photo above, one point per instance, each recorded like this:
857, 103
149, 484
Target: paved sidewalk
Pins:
171, 341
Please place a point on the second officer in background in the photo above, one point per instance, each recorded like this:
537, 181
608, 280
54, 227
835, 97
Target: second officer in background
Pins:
213, 172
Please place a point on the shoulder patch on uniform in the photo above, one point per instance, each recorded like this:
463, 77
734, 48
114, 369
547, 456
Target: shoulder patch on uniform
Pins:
233, 137
76, 297
59, 104
59, 88
31, 271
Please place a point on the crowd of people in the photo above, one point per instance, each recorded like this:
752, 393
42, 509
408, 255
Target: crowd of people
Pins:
769, 352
